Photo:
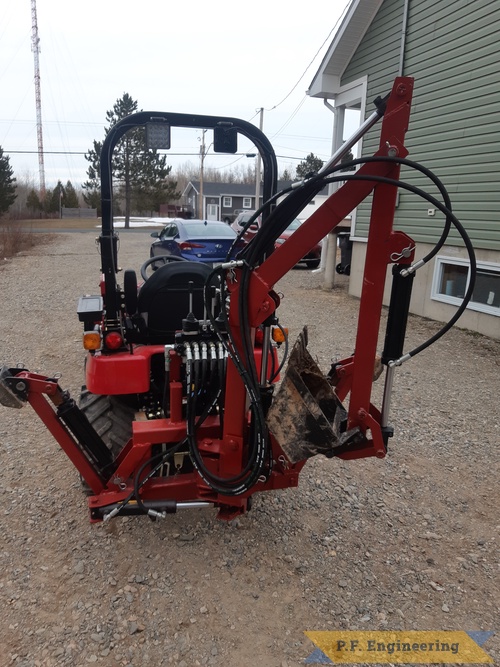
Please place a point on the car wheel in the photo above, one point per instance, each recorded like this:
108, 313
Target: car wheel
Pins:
313, 263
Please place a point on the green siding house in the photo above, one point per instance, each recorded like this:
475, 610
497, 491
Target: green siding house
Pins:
451, 49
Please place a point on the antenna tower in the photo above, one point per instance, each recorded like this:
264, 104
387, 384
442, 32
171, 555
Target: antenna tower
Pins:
35, 47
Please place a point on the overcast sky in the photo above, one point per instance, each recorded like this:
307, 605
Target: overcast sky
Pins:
218, 58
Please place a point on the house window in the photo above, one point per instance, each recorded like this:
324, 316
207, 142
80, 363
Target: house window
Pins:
451, 278
247, 202
227, 202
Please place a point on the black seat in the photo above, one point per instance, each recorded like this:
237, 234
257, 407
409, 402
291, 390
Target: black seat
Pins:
164, 299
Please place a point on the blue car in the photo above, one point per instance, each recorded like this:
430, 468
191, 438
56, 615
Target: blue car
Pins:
206, 241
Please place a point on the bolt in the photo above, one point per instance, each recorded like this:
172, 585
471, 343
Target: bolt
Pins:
20, 386
401, 90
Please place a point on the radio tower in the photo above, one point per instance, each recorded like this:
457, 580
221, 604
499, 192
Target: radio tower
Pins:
35, 47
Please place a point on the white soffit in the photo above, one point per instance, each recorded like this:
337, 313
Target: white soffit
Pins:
360, 14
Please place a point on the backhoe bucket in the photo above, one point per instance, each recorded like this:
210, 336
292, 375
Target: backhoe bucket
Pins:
306, 417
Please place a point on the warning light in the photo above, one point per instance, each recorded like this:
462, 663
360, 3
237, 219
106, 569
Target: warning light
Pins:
113, 340
91, 340
280, 335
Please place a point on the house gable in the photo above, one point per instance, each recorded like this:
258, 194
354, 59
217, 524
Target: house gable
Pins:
355, 23
450, 48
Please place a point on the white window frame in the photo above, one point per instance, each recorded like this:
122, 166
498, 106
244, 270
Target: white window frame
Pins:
247, 202
227, 202
436, 295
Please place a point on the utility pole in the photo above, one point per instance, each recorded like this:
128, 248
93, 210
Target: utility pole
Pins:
35, 47
202, 157
257, 168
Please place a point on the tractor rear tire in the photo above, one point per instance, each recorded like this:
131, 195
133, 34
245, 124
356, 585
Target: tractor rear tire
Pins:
111, 417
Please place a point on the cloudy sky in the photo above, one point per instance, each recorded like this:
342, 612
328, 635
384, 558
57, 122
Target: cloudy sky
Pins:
218, 58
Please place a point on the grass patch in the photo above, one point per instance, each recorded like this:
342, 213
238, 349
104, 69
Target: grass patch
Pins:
57, 223
14, 239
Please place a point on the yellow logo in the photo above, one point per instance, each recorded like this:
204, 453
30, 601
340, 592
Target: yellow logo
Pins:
398, 647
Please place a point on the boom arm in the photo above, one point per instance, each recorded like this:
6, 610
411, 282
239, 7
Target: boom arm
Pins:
385, 247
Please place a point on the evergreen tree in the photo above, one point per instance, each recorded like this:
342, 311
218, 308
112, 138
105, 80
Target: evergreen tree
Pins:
56, 198
7, 183
70, 198
33, 202
311, 165
52, 201
347, 158
139, 173
92, 187
48, 201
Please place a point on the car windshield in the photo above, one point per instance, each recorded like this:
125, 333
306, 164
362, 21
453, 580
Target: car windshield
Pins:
295, 224
244, 218
199, 230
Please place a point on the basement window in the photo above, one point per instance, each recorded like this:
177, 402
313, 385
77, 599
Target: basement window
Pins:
451, 278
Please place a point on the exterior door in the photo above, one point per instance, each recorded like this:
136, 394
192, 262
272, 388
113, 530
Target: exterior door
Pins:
212, 212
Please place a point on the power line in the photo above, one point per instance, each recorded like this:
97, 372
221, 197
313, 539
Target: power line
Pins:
313, 59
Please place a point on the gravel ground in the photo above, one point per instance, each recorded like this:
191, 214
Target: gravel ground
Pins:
409, 542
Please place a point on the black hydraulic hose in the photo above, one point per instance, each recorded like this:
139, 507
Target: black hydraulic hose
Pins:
278, 221
221, 372
260, 434
426, 172
163, 456
288, 208
253, 219
204, 369
256, 457
249, 474
459, 227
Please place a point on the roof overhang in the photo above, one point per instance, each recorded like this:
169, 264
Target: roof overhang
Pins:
358, 17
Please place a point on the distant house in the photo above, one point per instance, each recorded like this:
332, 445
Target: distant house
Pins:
451, 49
223, 201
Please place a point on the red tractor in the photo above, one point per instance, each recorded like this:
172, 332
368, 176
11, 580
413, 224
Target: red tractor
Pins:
181, 406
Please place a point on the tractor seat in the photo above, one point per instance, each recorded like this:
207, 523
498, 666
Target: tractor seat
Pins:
163, 300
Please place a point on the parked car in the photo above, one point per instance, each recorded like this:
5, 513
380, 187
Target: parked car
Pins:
241, 220
206, 241
229, 218
312, 258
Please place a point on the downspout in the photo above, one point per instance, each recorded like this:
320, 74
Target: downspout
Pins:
403, 38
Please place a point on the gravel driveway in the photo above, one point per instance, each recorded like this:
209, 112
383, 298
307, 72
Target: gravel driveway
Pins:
409, 542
